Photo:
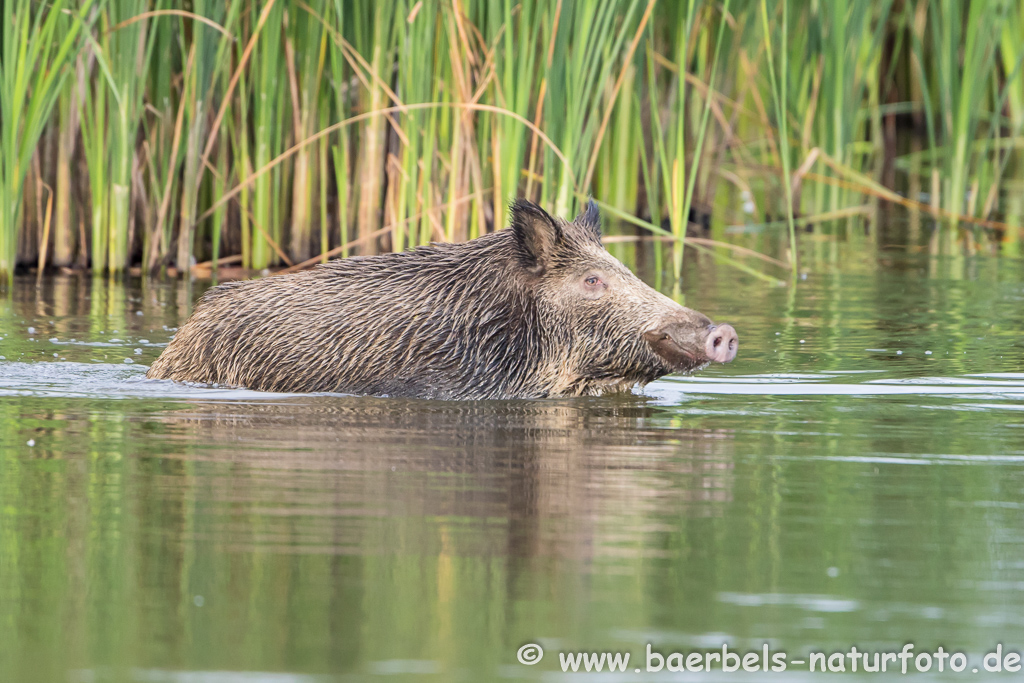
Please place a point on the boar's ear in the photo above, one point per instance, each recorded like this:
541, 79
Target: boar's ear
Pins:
590, 220
536, 233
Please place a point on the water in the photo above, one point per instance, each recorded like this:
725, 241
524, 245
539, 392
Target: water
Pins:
854, 478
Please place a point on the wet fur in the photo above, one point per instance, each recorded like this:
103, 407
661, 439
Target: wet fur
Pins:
495, 317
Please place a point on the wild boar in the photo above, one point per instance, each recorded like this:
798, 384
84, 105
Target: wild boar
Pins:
539, 309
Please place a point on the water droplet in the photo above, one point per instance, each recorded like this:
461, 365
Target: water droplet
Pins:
128, 360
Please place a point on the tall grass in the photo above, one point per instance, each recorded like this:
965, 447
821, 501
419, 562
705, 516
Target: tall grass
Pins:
188, 140
780, 94
39, 44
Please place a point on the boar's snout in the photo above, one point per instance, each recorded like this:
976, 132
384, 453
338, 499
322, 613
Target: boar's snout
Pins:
721, 344
684, 346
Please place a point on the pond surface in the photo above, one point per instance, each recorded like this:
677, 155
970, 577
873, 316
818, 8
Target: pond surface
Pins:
854, 478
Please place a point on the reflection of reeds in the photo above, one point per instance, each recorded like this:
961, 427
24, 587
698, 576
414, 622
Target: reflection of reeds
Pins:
173, 136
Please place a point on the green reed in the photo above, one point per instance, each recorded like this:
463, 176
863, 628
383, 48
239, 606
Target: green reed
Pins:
749, 110
780, 94
39, 44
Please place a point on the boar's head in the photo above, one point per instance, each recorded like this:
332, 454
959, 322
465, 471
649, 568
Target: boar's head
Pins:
607, 328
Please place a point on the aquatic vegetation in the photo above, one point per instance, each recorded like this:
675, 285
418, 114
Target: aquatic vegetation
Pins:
283, 133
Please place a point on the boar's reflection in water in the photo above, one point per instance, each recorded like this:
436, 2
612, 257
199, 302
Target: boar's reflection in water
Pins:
538, 310
523, 479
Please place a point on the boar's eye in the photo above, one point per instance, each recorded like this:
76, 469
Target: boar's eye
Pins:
593, 287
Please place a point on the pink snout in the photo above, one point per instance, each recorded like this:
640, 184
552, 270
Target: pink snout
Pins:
722, 344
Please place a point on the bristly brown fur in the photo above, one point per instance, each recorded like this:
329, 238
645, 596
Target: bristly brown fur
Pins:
501, 316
